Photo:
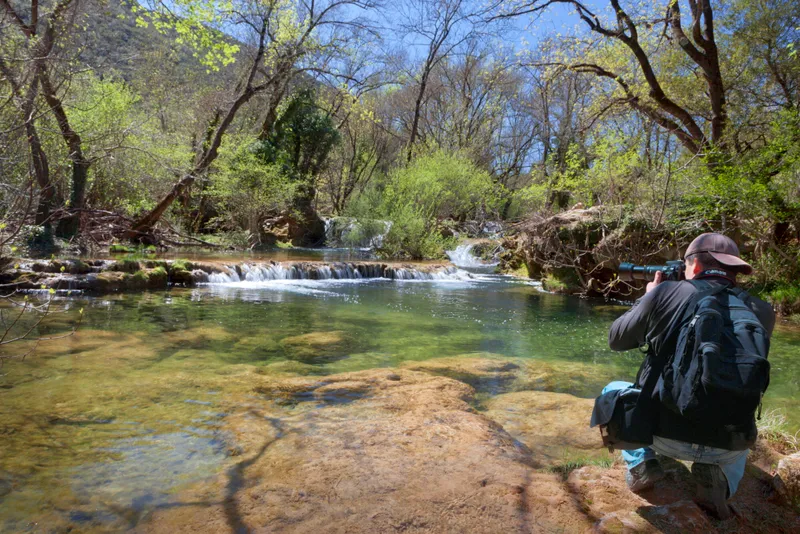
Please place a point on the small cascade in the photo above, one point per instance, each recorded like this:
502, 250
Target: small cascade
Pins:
349, 232
463, 257
331, 271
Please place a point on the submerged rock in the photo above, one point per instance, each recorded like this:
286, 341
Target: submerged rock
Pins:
484, 372
316, 347
406, 453
555, 426
399, 450
495, 373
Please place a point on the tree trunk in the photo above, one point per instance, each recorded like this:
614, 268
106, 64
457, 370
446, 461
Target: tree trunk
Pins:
141, 230
69, 226
417, 111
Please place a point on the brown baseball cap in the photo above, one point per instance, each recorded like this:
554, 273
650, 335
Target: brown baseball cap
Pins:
722, 249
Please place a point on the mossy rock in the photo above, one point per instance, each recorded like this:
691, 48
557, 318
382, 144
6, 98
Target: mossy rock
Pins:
158, 278
125, 266
148, 279
73, 266
121, 249
316, 347
28, 280
107, 281
180, 265
181, 277
563, 281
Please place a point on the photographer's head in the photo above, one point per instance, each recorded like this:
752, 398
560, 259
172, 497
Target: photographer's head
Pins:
714, 254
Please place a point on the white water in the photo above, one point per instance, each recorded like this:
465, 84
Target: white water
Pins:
339, 233
260, 274
463, 257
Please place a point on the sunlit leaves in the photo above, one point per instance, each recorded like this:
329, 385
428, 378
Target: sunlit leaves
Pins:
198, 24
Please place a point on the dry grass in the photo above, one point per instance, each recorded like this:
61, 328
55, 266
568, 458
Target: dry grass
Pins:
772, 427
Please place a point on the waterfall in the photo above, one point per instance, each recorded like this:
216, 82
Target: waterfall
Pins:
332, 271
463, 257
352, 233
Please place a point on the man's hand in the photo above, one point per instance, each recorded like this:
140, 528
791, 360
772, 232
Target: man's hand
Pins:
657, 280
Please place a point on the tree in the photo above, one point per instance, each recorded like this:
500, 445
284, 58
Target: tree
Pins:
301, 140
284, 41
442, 26
41, 28
696, 131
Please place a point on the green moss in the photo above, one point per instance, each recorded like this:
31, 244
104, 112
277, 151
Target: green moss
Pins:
158, 278
552, 283
125, 266
180, 273
138, 280
180, 265
121, 249
520, 272
284, 244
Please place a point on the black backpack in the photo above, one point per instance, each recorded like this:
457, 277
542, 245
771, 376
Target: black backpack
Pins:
719, 370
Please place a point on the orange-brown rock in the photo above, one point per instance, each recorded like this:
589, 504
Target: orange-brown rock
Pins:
394, 450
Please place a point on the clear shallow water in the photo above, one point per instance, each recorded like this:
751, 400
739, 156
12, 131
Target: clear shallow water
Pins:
99, 429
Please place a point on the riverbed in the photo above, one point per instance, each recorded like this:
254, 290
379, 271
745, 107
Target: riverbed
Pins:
104, 426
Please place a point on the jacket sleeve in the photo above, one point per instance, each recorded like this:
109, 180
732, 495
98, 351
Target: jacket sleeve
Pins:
630, 330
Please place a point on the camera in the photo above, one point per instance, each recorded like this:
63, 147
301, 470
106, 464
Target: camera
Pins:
673, 270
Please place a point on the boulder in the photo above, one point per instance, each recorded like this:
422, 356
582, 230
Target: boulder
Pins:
787, 480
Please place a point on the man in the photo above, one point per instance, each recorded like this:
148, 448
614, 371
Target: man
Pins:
717, 471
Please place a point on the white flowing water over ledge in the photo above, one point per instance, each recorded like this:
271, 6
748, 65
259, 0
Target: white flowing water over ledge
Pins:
261, 273
463, 257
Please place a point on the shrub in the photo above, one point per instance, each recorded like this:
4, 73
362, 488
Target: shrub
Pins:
442, 186
414, 236
418, 198
246, 189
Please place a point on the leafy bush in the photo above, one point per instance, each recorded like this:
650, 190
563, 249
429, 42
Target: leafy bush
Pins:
414, 236
441, 186
785, 299
247, 190
418, 198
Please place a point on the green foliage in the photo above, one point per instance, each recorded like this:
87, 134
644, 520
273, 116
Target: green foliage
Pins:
414, 235
440, 186
302, 138
785, 298
247, 190
529, 199
419, 197
123, 141
364, 231
194, 23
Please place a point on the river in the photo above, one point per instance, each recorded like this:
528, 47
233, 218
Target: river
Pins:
102, 427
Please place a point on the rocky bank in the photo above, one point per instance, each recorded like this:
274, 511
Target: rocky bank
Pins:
413, 450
